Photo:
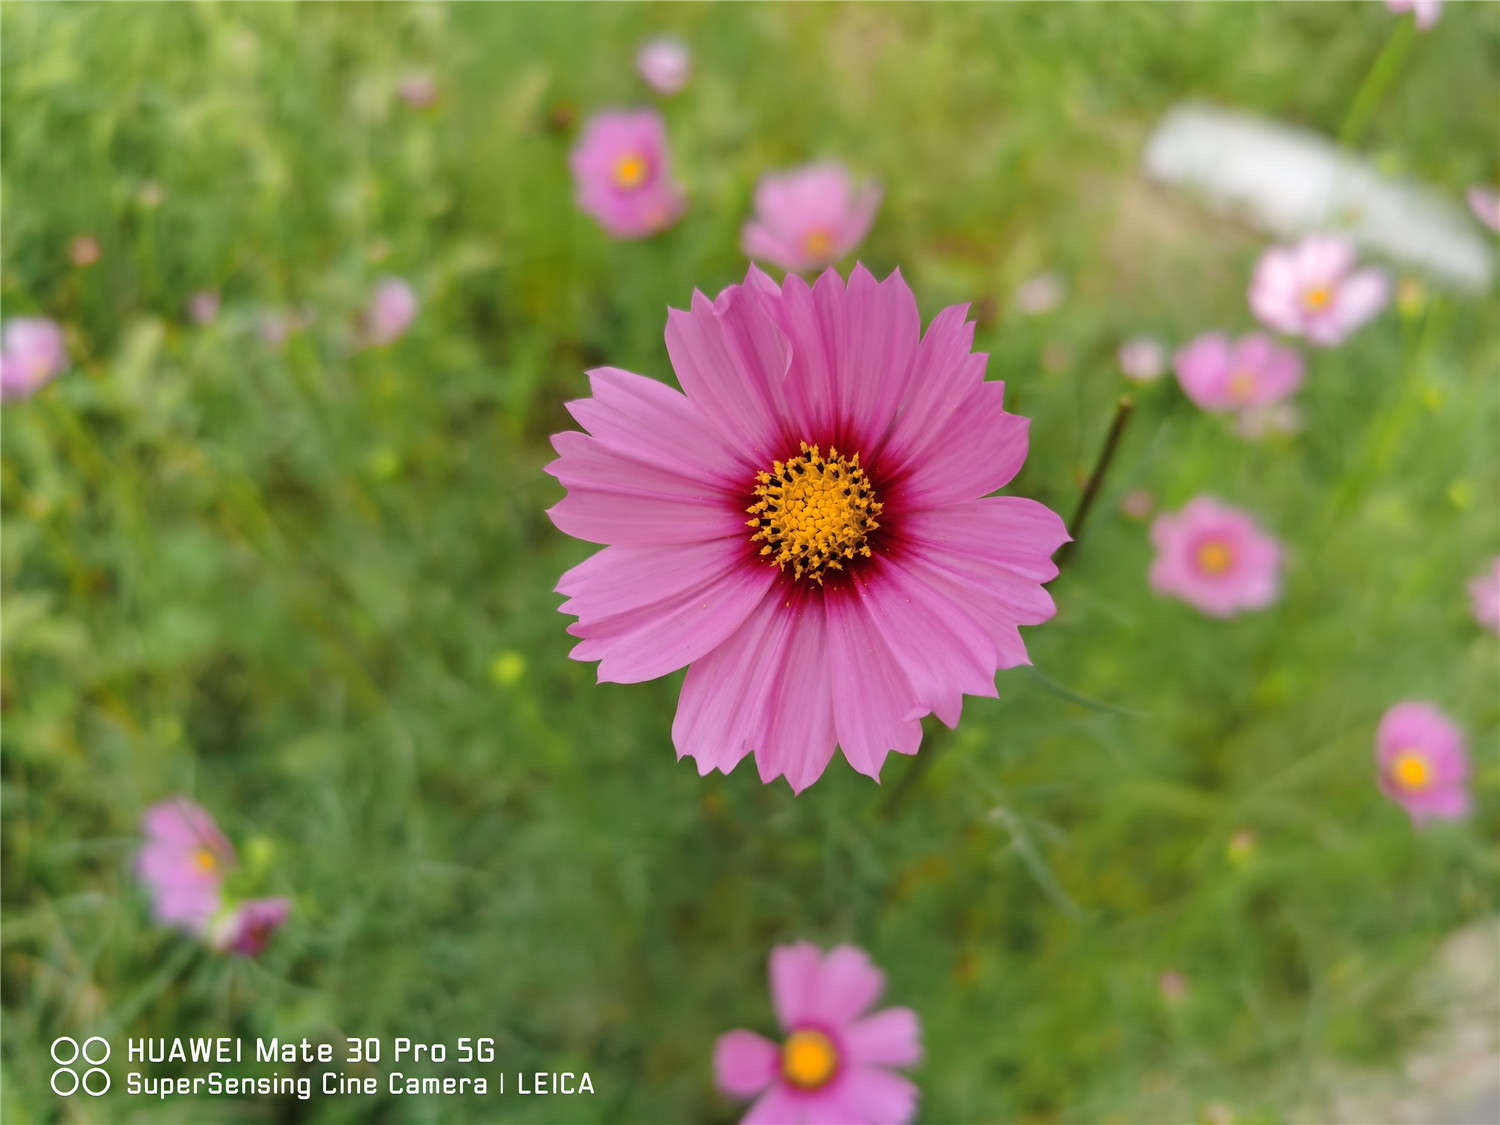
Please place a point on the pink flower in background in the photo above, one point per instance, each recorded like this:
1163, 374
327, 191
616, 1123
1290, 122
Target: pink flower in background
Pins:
32, 354
1484, 592
418, 90
809, 217
1220, 374
1425, 11
833, 1062
84, 250
1485, 203
1173, 986
392, 308
1137, 503
622, 174
1142, 359
247, 929
1215, 558
806, 528
1422, 763
665, 64
1040, 294
1312, 289
203, 306
183, 862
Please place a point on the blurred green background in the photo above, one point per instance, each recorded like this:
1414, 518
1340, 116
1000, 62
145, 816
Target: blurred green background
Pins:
312, 586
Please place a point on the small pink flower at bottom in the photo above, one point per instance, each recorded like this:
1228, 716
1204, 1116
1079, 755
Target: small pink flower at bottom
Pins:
1485, 203
1220, 374
32, 355
1215, 558
1484, 591
809, 217
622, 174
1426, 12
183, 862
1422, 763
1142, 359
665, 64
832, 1063
392, 308
247, 929
1312, 289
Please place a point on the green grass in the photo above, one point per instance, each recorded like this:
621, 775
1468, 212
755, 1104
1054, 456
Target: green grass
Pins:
313, 587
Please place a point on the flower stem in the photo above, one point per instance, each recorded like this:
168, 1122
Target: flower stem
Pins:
1377, 80
1096, 478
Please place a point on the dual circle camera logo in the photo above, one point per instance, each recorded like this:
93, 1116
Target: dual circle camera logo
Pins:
67, 1052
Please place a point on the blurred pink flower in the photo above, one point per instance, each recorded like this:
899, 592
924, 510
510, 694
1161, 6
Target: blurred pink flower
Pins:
203, 306
1485, 203
1040, 294
809, 217
875, 579
183, 862
1426, 11
1312, 289
418, 89
622, 173
665, 64
1220, 374
1484, 591
1137, 503
277, 325
392, 308
832, 1064
247, 929
1422, 763
1258, 422
1173, 985
1142, 359
32, 354
84, 250
1215, 558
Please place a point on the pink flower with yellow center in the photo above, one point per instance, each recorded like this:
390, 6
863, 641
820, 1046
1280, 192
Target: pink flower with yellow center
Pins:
622, 174
809, 528
1425, 12
1222, 374
1215, 558
32, 354
183, 863
1484, 592
247, 929
1422, 763
809, 217
665, 63
1313, 290
832, 1065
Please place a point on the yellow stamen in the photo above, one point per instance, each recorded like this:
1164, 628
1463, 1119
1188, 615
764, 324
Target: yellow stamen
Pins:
629, 171
1412, 770
813, 513
1214, 557
808, 1059
205, 859
817, 243
1241, 385
1317, 298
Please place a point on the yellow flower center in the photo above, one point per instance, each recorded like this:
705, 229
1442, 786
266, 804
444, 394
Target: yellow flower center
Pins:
1214, 557
1318, 298
1241, 385
808, 1059
205, 859
817, 243
629, 171
813, 513
1412, 770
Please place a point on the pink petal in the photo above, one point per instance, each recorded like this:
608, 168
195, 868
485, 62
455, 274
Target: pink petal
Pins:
606, 516
879, 1097
945, 372
980, 449
777, 1106
798, 735
1003, 531
794, 971
892, 1037
848, 983
871, 695
745, 1063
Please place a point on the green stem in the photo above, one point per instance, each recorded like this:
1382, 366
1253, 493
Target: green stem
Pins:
1377, 81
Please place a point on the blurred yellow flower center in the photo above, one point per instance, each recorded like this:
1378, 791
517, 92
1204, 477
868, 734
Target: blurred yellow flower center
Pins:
813, 513
1411, 770
817, 243
1318, 298
1241, 385
808, 1059
205, 859
629, 170
1213, 557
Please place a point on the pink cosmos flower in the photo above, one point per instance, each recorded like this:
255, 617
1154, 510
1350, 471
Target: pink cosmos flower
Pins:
247, 929
1220, 374
1484, 591
32, 354
622, 174
1142, 359
1312, 289
809, 217
390, 312
1215, 558
1425, 11
1173, 985
183, 862
1422, 763
1137, 503
1040, 294
418, 90
203, 306
807, 527
832, 1064
1485, 203
665, 64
